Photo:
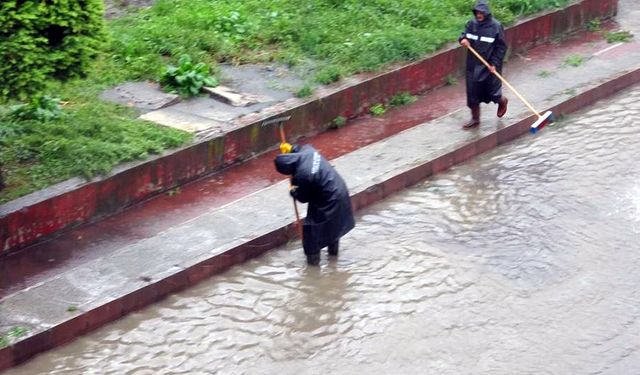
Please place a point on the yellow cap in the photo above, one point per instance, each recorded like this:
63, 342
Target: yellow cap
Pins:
285, 148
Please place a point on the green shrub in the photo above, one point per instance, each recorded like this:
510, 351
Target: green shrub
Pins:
187, 78
41, 108
41, 40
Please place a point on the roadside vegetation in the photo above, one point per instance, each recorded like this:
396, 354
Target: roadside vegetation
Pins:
54, 126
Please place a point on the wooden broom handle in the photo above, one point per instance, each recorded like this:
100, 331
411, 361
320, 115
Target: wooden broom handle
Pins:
283, 139
525, 101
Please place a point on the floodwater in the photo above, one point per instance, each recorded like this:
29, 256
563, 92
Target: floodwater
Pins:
524, 261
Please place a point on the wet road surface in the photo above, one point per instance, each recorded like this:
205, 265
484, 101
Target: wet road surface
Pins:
523, 261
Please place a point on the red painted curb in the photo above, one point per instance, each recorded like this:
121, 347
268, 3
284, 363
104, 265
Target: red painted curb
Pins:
29, 219
90, 320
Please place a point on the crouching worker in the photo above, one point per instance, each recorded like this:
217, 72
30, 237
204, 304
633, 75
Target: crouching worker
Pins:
316, 182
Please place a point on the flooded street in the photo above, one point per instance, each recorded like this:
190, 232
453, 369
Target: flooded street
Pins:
523, 261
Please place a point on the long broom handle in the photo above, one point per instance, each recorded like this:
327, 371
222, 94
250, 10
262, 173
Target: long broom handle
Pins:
283, 139
525, 101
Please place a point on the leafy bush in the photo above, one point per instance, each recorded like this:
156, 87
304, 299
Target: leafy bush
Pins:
41, 108
40, 40
187, 78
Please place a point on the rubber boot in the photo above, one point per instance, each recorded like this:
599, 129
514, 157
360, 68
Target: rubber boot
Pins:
475, 118
503, 103
334, 248
313, 259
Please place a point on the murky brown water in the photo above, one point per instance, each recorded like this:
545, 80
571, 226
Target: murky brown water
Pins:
525, 261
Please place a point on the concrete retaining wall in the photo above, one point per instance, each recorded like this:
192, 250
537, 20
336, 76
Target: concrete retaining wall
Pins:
42, 214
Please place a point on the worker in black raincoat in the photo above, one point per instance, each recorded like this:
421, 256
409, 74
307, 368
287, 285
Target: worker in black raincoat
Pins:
315, 181
486, 35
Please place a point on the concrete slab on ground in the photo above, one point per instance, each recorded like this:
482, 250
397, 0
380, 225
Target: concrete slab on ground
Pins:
233, 97
273, 81
247, 89
146, 96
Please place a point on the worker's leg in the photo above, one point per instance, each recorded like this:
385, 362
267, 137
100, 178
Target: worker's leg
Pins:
334, 248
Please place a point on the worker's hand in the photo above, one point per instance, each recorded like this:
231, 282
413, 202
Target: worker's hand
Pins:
465, 43
492, 69
293, 190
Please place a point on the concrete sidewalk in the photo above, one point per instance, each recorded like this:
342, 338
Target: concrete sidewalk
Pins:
114, 275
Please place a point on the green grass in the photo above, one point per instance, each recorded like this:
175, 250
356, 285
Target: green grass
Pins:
618, 36
338, 122
14, 333
89, 139
330, 39
544, 74
450, 80
402, 98
574, 61
341, 36
594, 25
304, 92
378, 110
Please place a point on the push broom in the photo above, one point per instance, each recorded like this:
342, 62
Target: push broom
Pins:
280, 121
543, 120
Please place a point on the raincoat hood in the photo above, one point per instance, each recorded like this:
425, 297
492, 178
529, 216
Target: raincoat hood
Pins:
482, 6
287, 164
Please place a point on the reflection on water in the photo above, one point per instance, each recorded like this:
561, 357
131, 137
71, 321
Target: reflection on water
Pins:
524, 261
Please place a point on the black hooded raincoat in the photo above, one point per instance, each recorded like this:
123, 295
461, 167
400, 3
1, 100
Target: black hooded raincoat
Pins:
329, 214
486, 37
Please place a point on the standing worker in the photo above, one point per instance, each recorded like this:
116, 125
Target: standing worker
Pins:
486, 35
315, 181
